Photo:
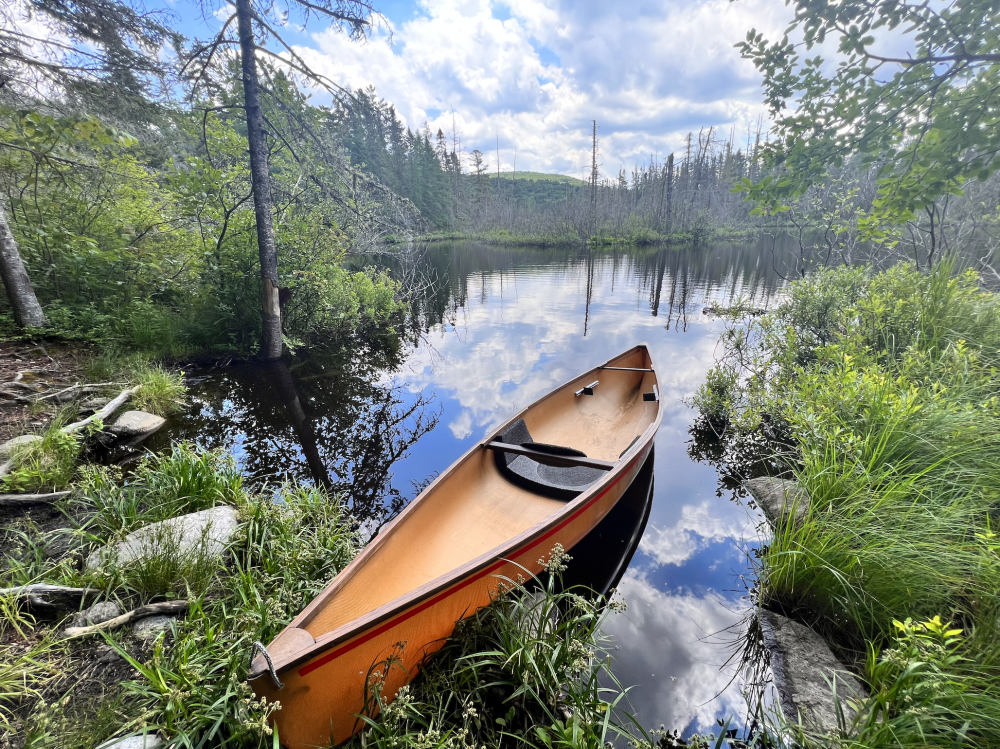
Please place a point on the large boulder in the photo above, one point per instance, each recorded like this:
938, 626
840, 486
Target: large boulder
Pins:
202, 534
136, 424
804, 668
780, 499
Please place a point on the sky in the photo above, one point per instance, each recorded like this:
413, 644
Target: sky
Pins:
535, 73
532, 75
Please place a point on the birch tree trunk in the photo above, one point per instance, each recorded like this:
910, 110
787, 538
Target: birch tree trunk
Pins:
270, 344
27, 311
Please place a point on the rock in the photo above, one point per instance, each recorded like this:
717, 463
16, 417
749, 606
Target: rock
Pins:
99, 612
148, 741
106, 655
136, 424
150, 626
779, 498
8, 447
200, 534
802, 664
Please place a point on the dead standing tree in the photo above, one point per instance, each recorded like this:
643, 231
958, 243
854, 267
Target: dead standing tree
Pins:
257, 23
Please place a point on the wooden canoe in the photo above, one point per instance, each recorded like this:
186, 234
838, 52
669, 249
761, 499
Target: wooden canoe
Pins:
495, 510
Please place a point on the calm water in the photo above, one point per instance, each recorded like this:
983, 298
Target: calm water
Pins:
501, 328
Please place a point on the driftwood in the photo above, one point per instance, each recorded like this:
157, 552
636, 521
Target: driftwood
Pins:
103, 413
45, 595
83, 388
167, 607
16, 500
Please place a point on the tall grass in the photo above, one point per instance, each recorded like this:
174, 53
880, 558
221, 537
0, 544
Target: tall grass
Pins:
889, 384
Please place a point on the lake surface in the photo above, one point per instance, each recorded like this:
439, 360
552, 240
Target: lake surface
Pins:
500, 328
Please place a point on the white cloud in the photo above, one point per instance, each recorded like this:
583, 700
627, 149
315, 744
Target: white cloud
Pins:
698, 526
538, 71
671, 649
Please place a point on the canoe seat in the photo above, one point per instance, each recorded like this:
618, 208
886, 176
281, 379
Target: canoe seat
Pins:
559, 482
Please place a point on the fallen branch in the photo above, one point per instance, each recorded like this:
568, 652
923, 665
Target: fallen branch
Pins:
59, 392
104, 413
16, 500
34, 588
167, 607
38, 595
83, 388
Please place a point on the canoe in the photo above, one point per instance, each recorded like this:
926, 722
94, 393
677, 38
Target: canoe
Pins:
547, 476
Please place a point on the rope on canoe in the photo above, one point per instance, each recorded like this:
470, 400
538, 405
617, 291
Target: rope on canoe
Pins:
259, 646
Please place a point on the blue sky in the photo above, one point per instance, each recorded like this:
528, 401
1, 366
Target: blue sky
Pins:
534, 73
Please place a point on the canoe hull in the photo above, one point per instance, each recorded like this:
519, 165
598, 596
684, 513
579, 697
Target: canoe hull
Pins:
328, 690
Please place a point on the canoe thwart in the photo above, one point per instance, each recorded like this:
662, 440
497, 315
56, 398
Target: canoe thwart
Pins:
587, 389
654, 396
551, 459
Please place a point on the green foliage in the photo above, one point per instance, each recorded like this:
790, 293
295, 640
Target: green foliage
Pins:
184, 479
137, 252
190, 687
406, 162
287, 549
888, 384
927, 120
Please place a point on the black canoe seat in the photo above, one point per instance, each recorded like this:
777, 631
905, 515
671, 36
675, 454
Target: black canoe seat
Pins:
559, 482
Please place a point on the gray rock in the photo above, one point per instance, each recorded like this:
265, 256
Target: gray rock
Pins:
148, 741
804, 667
136, 424
149, 627
202, 534
99, 612
107, 655
780, 499
8, 447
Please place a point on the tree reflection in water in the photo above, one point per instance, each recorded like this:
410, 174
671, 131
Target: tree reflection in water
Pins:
333, 419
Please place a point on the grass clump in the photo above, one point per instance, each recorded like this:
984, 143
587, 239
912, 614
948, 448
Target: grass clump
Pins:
182, 480
190, 686
46, 464
887, 383
158, 390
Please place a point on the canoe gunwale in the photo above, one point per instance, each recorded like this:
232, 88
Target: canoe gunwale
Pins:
400, 606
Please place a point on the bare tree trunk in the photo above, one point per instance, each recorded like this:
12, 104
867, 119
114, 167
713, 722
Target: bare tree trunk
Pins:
27, 311
270, 344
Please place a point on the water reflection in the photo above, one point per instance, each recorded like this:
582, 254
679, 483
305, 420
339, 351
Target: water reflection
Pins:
601, 557
500, 329
329, 421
